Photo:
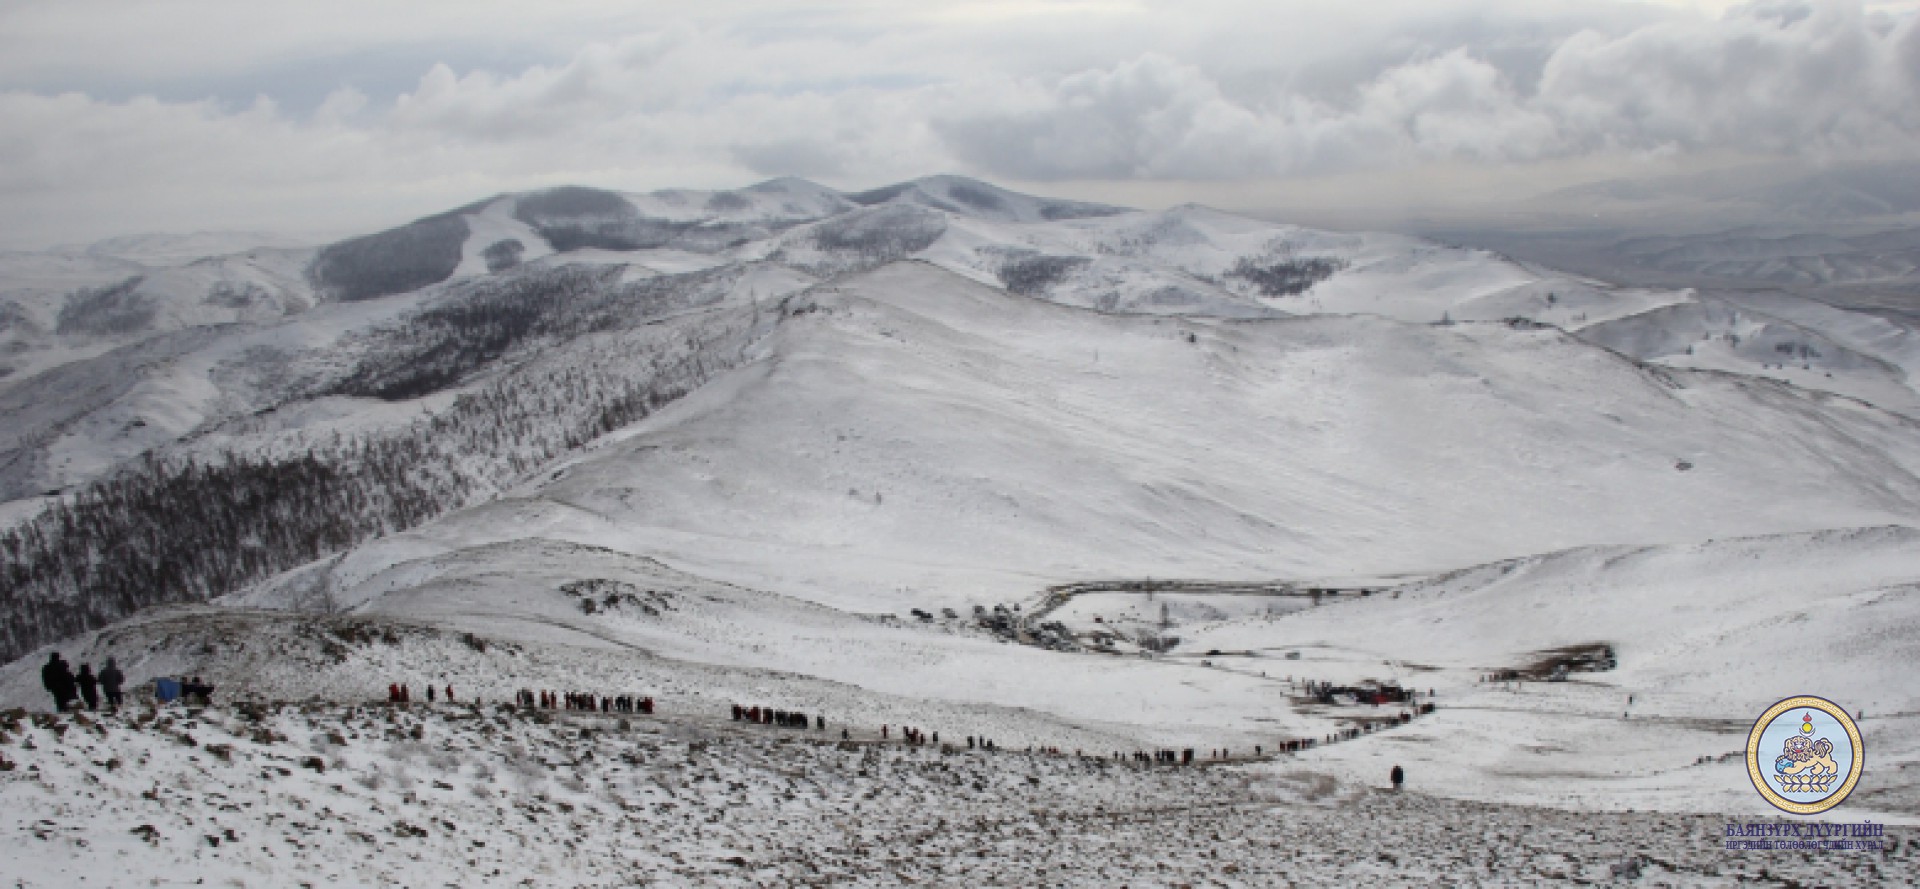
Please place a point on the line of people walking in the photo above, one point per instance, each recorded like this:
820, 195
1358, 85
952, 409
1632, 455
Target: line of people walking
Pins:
584, 702
781, 718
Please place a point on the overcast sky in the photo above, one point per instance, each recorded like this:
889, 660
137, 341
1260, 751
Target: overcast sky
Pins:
121, 116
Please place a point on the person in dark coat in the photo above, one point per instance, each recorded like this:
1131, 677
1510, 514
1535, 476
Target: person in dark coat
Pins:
89, 686
58, 681
1398, 776
111, 681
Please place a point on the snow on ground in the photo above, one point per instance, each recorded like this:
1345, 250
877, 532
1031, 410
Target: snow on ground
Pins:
455, 795
96, 414
1514, 786
1566, 303
647, 263
916, 440
518, 591
1131, 612
158, 250
493, 224
779, 201
1178, 261
1716, 334
37, 290
1707, 636
915, 437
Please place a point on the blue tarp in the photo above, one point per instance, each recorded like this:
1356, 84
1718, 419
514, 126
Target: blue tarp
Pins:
166, 689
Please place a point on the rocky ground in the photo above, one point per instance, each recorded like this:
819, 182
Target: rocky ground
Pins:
331, 794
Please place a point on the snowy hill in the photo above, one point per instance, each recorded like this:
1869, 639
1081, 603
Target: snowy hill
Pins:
1718, 335
725, 445
903, 421
972, 198
159, 250
418, 795
1707, 636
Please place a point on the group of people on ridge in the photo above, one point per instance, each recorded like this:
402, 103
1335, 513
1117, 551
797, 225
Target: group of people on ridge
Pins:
86, 689
69, 688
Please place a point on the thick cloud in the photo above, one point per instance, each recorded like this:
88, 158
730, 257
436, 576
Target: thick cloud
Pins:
1213, 90
1788, 78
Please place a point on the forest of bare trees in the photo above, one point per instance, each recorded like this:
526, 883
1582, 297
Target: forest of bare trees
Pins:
168, 531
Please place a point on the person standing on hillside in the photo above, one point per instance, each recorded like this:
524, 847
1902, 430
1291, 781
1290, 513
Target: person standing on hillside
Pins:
111, 681
89, 686
58, 681
1398, 776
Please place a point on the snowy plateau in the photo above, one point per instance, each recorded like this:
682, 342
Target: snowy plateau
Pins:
1090, 484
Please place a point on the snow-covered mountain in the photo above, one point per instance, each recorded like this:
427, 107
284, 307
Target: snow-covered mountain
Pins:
904, 420
743, 435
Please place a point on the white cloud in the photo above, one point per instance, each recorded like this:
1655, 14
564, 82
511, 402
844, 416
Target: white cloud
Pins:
638, 97
1779, 78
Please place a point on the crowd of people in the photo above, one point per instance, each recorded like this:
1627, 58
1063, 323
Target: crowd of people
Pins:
582, 702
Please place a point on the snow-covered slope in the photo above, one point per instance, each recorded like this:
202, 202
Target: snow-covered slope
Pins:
961, 196
60, 308
1718, 335
813, 412
159, 250
428, 795
56, 309
1707, 636
540, 591
913, 438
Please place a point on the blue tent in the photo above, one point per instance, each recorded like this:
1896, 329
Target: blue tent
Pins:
166, 689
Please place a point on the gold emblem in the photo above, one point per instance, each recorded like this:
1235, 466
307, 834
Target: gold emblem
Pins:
1805, 755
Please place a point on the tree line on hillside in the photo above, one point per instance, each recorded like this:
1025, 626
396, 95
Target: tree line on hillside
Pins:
447, 342
1285, 277
168, 531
